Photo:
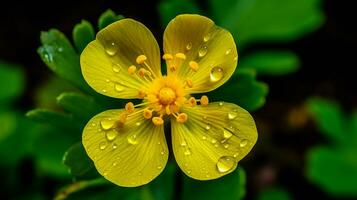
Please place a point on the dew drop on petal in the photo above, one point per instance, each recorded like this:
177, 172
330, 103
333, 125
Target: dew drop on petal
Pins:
225, 164
106, 124
183, 143
114, 146
189, 46
102, 145
232, 114
208, 127
235, 58
243, 143
216, 74
187, 152
132, 140
118, 87
111, 135
228, 51
111, 49
207, 37
227, 134
203, 51
116, 68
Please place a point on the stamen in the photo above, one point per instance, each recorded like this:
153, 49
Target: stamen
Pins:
182, 118
172, 68
181, 56
168, 110
204, 100
189, 83
141, 59
192, 101
142, 72
157, 121
141, 94
193, 65
122, 118
132, 69
129, 107
147, 113
167, 56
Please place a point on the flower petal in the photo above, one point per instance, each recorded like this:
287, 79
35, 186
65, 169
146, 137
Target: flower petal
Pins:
213, 139
211, 47
128, 155
105, 61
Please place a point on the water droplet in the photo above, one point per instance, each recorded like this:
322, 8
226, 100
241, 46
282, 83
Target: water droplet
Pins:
206, 37
243, 143
216, 74
162, 152
111, 135
235, 155
107, 80
102, 145
158, 143
183, 143
225, 164
187, 152
114, 146
118, 87
227, 134
104, 91
220, 103
137, 123
228, 51
204, 137
93, 124
186, 164
105, 173
132, 140
116, 68
107, 124
208, 127
213, 141
159, 167
232, 115
235, 58
140, 173
226, 146
111, 49
216, 145
189, 46
115, 163
60, 49
203, 51
189, 171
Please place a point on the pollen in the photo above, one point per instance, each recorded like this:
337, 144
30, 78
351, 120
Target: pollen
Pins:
204, 100
141, 59
192, 101
142, 72
122, 118
147, 113
182, 118
181, 56
131, 69
193, 65
129, 107
167, 56
157, 121
189, 83
167, 95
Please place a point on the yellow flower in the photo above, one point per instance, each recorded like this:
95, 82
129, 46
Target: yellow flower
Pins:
128, 146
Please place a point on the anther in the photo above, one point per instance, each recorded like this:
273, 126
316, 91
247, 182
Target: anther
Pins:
167, 56
147, 113
182, 117
168, 110
172, 68
181, 56
129, 107
189, 83
141, 94
122, 118
192, 101
157, 121
131, 69
141, 59
193, 65
142, 72
204, 100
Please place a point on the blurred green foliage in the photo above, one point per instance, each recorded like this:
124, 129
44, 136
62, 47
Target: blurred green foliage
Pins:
333, 166
274, 194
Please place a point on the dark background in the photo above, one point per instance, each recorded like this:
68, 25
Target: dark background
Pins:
327, 56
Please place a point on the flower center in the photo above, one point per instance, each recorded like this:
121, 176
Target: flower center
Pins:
167, 96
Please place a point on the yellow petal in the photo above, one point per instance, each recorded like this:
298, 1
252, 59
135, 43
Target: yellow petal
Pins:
106, 60
211, 47
213, 139
128, 155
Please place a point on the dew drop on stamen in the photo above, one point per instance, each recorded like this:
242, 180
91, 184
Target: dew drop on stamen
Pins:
216, 74
203, 51
188, 46
111, 49
102, 145
225, 164
243, 143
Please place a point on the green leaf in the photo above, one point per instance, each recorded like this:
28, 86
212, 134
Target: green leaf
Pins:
169, 9
274, 194
12, 81
243, 90
274, 63
59, 55
229, 187
56, 119
78, 163
334, 170
267, 20
8, 124
329, 119
162, 187
82, 34
81, 106
107, 18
